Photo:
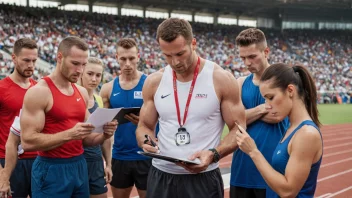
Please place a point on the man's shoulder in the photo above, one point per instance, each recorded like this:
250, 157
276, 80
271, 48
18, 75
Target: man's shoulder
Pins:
155, 77
5, 83
81, 88
222, 75
107, 87
41, 87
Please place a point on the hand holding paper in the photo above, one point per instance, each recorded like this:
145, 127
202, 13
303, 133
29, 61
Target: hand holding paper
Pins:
101, 116
110, 128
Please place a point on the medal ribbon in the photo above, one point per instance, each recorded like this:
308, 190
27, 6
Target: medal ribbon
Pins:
195, 75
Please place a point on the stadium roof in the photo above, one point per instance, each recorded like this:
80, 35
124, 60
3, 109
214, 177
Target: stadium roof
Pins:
329, 10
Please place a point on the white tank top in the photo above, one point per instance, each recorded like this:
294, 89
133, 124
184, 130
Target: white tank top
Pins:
204, 121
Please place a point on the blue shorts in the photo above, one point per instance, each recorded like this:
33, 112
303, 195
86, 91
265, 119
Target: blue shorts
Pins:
60, 177
20, 180
97, 183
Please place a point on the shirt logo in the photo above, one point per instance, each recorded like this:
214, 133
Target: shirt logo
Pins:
162, 96
201, 96
78, 99
138, 95
278, 152
115, 94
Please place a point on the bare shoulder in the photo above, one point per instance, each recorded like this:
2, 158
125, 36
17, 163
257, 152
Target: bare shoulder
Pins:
225, 84
39, 93
108, 86
222, 77
151, 84
308, 134
82, 90
241, 79
40, 88
153, 80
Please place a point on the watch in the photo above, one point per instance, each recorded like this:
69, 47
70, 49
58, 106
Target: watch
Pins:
216, 156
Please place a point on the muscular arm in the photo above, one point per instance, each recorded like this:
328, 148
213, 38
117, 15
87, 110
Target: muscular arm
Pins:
305, 146
11, 154
232, 110
148, 117
33, 120
255, 113
106, 149
105, 94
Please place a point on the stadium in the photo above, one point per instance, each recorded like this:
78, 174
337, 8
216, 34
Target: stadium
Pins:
314, 33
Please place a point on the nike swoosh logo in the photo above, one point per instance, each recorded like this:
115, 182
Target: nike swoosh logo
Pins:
78, 99
162, 97
115, 94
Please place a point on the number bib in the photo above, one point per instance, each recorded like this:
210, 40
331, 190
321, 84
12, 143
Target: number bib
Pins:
182, 137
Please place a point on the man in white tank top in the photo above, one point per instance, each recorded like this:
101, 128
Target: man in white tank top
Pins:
192, 98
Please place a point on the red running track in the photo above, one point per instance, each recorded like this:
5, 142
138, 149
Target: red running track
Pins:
335, 176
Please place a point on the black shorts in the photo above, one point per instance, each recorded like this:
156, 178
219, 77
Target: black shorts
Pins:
236, 191
129, 173
97, 183
20, 180
166, 185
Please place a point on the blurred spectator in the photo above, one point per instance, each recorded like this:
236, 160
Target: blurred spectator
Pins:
325, 53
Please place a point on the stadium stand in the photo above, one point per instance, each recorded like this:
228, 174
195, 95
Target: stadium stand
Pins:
325, 52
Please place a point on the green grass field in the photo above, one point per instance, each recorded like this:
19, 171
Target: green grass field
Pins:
335, 113
328, 114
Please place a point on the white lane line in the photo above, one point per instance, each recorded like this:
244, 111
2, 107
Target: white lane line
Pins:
336, 162
338, 139
339, 192
334, 175
336, 153
335, 146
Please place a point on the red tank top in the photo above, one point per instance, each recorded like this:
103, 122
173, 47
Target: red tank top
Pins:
11, 101
66, 112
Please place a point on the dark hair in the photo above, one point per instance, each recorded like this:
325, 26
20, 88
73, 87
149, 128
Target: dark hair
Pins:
67, 43
171, 28
127, 43
24, 43
283, 75
251, 36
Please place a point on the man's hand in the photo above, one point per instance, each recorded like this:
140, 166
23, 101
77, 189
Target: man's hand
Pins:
148, 147
132, 118
110, 128
205, 157
80, 131
108, 174
263, 108
5, 190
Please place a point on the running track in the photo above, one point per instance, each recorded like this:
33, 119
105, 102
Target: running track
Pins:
335, 176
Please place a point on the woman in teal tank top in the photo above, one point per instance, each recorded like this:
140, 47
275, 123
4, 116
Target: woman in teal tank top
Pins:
293, 172
98, 176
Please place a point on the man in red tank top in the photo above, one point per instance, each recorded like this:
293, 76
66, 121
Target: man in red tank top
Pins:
53, 122
12, 91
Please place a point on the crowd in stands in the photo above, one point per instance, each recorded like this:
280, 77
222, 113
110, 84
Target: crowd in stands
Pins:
326, 53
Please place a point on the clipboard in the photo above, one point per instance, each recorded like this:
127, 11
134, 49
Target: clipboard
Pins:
170, 159
120, 117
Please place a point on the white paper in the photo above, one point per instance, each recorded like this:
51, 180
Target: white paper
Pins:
102, 116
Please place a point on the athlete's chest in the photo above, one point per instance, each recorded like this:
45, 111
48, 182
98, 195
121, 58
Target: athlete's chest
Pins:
202, 104
12, 100
126, 98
